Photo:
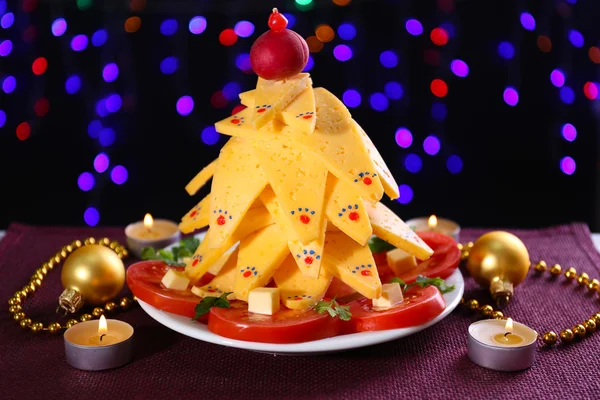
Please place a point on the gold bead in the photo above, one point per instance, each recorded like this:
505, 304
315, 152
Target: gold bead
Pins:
113, 245
104, 242
89, 240
540, 266
497, 315
13, 301
571, 273
594, 285
54, 327
556, 270
68, 248
579, 330
473, 304
125, 302
97, 312
63, 254
470, 245
590, 326
57, 259
40, 274
118, 249
71, 322
486, 310
136, 299
19, 316
596, 318
15, 309
465, 254
22, 294
32, 286
37, 327
583, 279
566, 335
25, 323
28, 290
460, 246
124, 253
46, 269
550, 338
110, 306
76, 244
37, 282
85, 317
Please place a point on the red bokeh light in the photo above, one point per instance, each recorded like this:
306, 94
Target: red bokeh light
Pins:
41, 107
432, 57
29, 34
446, 6
590, 89
439, 36
29, 5
228, 37
39, 66
23, 131
218, 100
439, 88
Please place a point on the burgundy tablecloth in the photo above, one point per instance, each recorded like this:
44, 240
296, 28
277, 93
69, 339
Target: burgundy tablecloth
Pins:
432, 364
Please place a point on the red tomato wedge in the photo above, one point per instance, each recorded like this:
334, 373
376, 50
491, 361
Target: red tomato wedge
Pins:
420, 305
143, 279
285, 326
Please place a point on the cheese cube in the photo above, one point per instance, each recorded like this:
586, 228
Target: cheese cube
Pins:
391, 294
264, 301
400, 261
176, 280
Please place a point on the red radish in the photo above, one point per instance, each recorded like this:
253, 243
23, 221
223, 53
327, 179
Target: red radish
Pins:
278, 53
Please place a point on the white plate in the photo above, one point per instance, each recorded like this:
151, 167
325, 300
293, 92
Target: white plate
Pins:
200, 331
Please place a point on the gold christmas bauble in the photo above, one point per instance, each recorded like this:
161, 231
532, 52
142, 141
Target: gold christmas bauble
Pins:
92, 274
499, 261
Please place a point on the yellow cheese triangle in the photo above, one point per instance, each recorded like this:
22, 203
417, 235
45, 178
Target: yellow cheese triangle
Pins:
272, 96
247, 98
332, 114
389, 227
236, 185
206, 256
298, 180
300, 114
223, 282
352, 263
387, 179
346, 210
257, 262
298, 291
197, 217
201, 178
239, 125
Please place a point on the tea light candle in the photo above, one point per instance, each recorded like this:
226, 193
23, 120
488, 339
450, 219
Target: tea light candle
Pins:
502, 345
151, 233
435, 224
96, 346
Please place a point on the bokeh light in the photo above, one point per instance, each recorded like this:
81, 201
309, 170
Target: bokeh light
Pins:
454, 164
185, 105
119, 175
291, 20
388, 59
231, 90
133, 24
168, 65
439, 111
351, 98
567, 95
309, 65
94, 128
439, 36
5, 48
459, 68
107, 137
569, 132
314, 44
59, 27
341, 3
324, 33
342, 52
73, 84
414, 27
557, 77
86, 181
84, 4
136, 5
431, 145
576, 38
590, 90
506, 50
378, 102
101, 108
406, 194
210, 135
23, 131
197, 25
99, 37
79, 43
527, 21
403, 138
544, 44
7, 20
2, 118
218, 100
101, 162
228, 37
39, 66
168, 27
242, 61
511, 96
449, 28
439, 88
346, 31
113, 102
594, 54
393, 90
413, 163
41, 107
568, 165
244, 29
9, 84
110, 72
303, 2
91, 216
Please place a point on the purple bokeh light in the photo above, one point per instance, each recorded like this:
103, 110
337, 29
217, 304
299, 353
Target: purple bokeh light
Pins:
351, 98
569, 132
86, 181
527, 21
511, 96
59, 27
459, 68
242, 61
568, 165
414, 27
79, 43
244, 29
404, 138
557, 77
101, 162
110, 72
7, 20
9, 84
431, 145
197, 25
185, 105
342, 52
5, 48
119, 175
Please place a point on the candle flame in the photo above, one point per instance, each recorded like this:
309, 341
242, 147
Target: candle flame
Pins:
148, 221
509, 325
102, 326
432, 222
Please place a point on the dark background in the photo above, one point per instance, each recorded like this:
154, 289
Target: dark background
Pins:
511, 175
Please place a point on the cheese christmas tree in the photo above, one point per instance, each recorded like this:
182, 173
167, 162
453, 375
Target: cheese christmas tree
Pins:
295, 194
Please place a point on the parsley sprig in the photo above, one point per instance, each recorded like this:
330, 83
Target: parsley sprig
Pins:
334, 309
378, 245
423, 281
174, 257
208, 302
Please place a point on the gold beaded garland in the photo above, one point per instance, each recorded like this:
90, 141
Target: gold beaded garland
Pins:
15, 303
567, 335
590, 326
571, 273
583, 279
579, 330
550, 338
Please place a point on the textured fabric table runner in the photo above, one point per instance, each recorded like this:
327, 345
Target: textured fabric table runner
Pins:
432, 364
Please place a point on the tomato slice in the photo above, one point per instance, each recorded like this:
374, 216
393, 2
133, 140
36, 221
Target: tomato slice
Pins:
420, 305
143, 278
285, 326
443, 262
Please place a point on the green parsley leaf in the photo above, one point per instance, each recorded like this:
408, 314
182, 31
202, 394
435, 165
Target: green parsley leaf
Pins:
148, 253
334, 309
187, 248
166, 254
208, 302
379, 245
190, 245
437, 282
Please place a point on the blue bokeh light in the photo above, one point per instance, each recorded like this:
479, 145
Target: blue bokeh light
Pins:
7, 20
99, 37
406, 194
346, 31
231, 90
94, 128
291, 20
439, 111
527, 21
351, 98
91, 216
309, 65
2, 118
5, 48
242, 61
113, 102
378, 102
9, 84
169, 27
506, 50
413, 163
388, 59
210, 135
244, 29
169, 65
459, 68
414, 27
73, 84
567, 95
101, 109
107, 137
393, 90
454, 164
576, 38
59, 27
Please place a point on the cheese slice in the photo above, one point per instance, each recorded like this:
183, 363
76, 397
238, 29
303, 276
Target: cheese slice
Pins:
239, 125
223, 282
332, 114
346, 210
197, 217
352, 263
387, 179
298, 180
298, 291
201, 178
205, 256
300, 114
272, 96
236, 185
247, 98
389, 227
257, 262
